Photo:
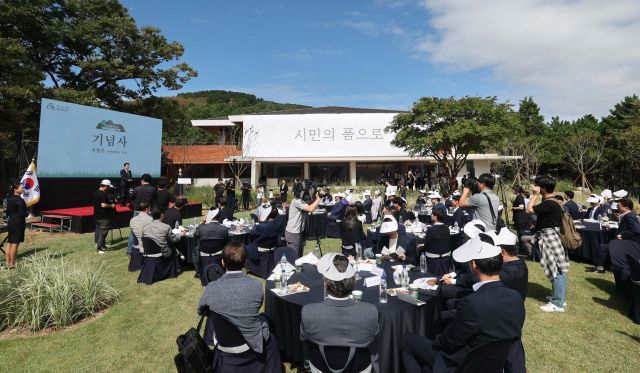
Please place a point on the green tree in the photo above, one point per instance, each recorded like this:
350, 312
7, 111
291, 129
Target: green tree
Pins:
621, 168
449, 129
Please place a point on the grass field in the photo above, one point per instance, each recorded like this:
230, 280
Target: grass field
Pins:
138, 333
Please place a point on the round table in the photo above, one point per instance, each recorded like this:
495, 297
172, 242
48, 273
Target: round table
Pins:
315, 224
456, 238
395, 318
189, 243
592, 236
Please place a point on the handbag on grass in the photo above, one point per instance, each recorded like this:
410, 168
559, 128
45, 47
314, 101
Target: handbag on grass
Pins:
194, 355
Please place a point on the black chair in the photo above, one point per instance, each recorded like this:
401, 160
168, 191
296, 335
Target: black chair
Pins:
337, 358
347, 243
486, 358
212, 272
156, 267
288, 252
576, 215
265, 263
516, 361
332, 229
137, 259
209, 247
439, 266
634, 265
254, 217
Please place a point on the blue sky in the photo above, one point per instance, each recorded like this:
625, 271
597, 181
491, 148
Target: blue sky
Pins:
389, 53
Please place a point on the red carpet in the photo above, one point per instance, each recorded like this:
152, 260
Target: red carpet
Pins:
88, 210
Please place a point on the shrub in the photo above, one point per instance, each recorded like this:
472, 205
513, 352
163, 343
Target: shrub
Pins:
47, 290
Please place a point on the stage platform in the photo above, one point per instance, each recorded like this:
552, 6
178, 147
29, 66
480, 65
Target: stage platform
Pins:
82, 217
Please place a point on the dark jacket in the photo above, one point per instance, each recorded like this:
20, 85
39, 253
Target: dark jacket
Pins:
629, 228
599, 211
352, 237
337, 213
125, 176
448, 203
465, 278
440, 205
515, 275
144, 193
458, 216
284, 189
404, 242
226, 213
436, 241
571, 206
493, 313
367, 203
16, 211
170, 217
212, 231
268, 229
402, 231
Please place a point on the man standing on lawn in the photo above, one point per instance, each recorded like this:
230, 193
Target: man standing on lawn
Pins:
553, 260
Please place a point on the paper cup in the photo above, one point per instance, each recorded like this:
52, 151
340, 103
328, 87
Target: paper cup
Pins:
413, 290
378, 259
357, 295
298, 266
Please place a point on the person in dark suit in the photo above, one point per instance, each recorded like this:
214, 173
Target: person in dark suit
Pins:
246, 195
269, 227
368, 202
435, 234
514, 274
491, 313
447, 200
399, 204
213, 230
628, 229
394, 241
227, 213
435, 200
570, 206
595, 210
458, 213
458, 283
337, 213
284, 189
351, 232
125, 179
520, 216
402, 231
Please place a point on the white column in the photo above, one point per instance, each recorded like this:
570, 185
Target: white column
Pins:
352, 172
305, 171
254, 172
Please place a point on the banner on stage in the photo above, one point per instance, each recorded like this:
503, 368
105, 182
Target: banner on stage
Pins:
84, 141
31, 193
321, 135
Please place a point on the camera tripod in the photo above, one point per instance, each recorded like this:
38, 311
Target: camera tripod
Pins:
117, 225
502, 196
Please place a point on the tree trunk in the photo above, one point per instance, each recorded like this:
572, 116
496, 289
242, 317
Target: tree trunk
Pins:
583, 178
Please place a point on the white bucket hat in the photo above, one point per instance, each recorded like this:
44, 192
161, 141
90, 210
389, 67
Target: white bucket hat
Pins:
471, 229
621, 193
606, 193
506, 237
389, 226
265, 210
593, 199
475, 249
378, 192
329, 270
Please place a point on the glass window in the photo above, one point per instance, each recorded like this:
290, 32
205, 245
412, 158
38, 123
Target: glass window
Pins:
288, 171
329, 173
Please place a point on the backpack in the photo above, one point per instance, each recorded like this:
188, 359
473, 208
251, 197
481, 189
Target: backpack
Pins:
194, 355
570, 239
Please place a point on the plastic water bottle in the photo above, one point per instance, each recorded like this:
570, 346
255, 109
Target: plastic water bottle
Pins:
377, 225
195, 221
283, 282
455, 226
316, 252
283, 262
600, 220
383, 289
423, 263
177, 225
358, 251
405, 277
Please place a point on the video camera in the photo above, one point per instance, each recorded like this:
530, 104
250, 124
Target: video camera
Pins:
113, 197
472, 184
307, 190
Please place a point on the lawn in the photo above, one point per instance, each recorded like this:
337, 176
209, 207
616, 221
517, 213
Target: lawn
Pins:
138, 333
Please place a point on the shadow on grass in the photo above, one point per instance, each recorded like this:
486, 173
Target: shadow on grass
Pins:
22, 255
538, 292
635, 338
605, 285
614, 303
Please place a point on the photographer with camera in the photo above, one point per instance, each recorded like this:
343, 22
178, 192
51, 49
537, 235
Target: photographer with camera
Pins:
246, 195
144, 193
300, 206
102, 209
484, 202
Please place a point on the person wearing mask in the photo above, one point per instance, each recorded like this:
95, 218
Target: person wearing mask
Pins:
139, 222
376, 205
491, 313
458, 213
338, 210
284, 190
554, 260
351, 232
297, 215
628, 229
16, 224
339, 279
222, 297
231, 194
570, 206
485, 204
246, 194
143, 193
102, 211
125, 179
394, 246
520, 216
595, 210
164, 198
218, 190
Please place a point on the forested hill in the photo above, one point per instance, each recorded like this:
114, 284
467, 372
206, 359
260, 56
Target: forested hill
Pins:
214, 104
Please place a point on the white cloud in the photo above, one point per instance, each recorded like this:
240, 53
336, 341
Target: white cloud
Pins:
392, 3
367, 27
577, 56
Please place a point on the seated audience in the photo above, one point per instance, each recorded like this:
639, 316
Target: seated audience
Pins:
595, 210
376, 205
351, 232
360, 211
447, 199
459, 282
337, 213
214, 230
435, 200
422, 199
140, 221
392, 242
491, 313
368, 202
265, 201
238, 298
391, 195
399, 204
435, 234
402, 230
570, 206
514, 274
269, 228
607, 199
277, 202
628, 229
172, 214
458, 213
338, 309
160, 232
225, 211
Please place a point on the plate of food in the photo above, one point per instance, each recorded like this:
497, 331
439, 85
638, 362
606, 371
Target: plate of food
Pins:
409, 266
392, 292
298, 287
